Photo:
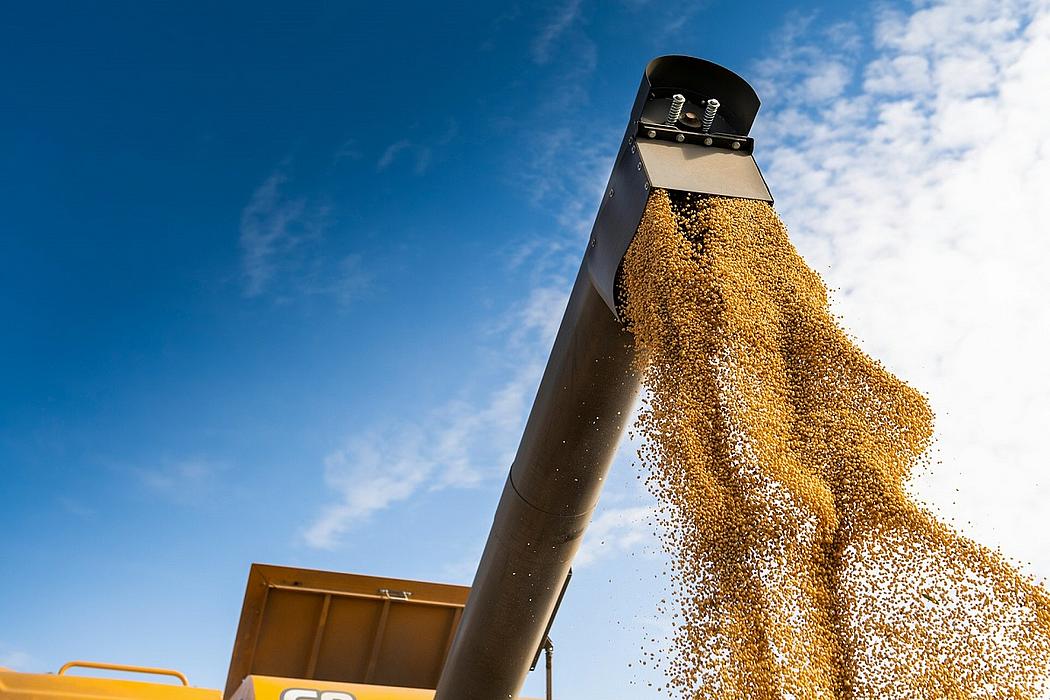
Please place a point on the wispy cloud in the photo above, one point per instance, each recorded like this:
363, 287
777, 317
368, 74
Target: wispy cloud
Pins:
76, 507
271, 225
461, 571
184, 482
916, 181
351, 280
391, 152
507, 18
342, 279
819, 70
456, 445
418, 151
616, 531
663, 21
568, 175
564, 16
350, 150
17, 660
285, 252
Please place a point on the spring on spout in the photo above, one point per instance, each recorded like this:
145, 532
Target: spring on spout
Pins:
677, 102
709, 115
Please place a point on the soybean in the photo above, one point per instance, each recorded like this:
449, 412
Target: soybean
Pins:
778, 453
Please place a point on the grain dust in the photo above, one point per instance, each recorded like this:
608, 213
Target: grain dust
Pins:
778, 452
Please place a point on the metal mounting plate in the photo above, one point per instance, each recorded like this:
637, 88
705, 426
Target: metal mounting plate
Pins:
690, 168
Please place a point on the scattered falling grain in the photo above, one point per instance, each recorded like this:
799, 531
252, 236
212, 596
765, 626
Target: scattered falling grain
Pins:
778, 452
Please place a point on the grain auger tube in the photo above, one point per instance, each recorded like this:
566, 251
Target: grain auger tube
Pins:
688, 131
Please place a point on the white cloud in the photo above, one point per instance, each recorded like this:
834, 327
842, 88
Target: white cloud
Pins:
614, 531
391, 152
17, 660
76, 507
921, 195
284, 250
344, 280
565, 15
461, 443
453, 446
817, 75
420, 152
350, 149
569, 176
185, 482
370, 472
267, 231
827, 82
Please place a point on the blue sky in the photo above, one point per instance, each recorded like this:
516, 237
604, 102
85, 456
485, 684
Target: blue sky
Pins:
279, 281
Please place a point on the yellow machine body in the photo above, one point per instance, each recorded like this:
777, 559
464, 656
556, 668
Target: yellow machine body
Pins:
49, 686
303, 635
44, 686
273, 688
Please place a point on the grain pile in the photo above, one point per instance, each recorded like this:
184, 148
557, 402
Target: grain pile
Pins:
778, 452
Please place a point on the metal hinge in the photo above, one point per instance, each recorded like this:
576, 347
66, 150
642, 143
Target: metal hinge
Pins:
395, 595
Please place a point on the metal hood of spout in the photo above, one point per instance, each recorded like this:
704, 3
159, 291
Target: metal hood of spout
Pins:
654, 154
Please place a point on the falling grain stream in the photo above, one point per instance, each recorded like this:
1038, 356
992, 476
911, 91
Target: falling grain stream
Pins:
779, 453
